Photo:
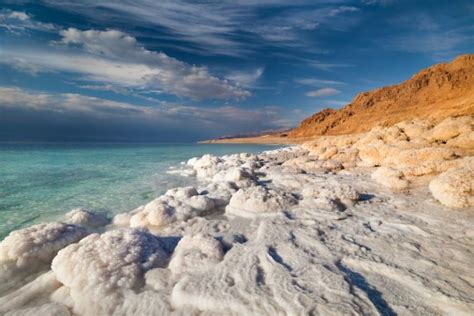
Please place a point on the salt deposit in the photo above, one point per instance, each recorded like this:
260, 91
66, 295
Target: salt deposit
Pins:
373, 223
84, 217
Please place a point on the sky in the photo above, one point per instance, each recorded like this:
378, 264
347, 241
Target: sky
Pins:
182, 71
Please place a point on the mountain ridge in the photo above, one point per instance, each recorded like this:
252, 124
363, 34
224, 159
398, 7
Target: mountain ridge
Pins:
439, 91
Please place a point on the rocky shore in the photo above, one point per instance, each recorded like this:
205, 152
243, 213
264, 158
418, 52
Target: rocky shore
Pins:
371, 223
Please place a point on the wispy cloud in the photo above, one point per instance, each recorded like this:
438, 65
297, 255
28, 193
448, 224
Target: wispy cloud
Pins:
114, 58
245, 78
18, 22
323, 92
317, 82
218, 27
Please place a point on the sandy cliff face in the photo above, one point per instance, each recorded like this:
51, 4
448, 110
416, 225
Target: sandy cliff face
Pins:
434, 93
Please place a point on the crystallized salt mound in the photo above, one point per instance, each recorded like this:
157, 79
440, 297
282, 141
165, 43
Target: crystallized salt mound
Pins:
309, 164
390, 178
258, 201
450, 128
179, 204
414, 128
34, 247
102, 270
331, 189
221, 192
455, 187
465, 141
240, 176
196, 253
409, 158
84, 217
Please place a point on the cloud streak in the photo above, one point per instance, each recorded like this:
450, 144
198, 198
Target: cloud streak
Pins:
323, 92
218, 27
30, 115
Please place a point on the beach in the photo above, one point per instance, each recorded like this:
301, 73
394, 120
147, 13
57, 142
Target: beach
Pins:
312, 229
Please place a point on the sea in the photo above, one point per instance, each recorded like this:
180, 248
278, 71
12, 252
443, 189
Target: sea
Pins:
42, 181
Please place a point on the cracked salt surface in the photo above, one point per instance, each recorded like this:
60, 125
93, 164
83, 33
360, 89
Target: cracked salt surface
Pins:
267, 234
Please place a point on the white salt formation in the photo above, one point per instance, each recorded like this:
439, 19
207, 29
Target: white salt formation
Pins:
196, 253
455, 187
378, 223
100, 271
30, 250
84, 217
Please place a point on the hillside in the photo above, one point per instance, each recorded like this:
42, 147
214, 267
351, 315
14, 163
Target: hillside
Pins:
442, 90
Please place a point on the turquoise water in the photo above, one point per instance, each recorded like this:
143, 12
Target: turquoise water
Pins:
40, 182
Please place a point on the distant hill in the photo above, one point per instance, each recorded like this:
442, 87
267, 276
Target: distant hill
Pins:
442, 90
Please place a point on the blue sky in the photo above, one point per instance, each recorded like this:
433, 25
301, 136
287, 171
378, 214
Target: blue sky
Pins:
187, 70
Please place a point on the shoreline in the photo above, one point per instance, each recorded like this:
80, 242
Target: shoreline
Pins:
263, 140
355, 224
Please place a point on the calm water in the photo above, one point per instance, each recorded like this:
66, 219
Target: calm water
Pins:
39, 182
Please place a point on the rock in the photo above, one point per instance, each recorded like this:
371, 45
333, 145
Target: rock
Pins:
455, 187
258, 201
85, 217
390, 178
450, 128
196, 253
465, 141
37, 244
101, 271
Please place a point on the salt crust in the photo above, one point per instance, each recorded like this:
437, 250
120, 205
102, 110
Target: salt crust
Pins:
101, 271
292, 231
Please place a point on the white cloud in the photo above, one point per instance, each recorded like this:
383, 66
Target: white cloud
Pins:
326, 66
18, 22
245, 79
317, 82
217, 27
113, 57
323, 92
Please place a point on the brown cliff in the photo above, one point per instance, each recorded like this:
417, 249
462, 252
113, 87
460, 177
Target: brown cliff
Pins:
442, 90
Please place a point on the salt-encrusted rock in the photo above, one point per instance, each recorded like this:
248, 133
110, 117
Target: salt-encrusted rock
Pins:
234, 174
221, 192
408, 158
374, 154
182, 193
103, 271
259, 201
85, 217
455, 187
196, 253
336, 195
450, 128
31, 249
465, 141
309, 164
414, 128
122, 220
390, 178
178, 204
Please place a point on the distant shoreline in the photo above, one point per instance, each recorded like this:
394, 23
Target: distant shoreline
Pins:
263, 140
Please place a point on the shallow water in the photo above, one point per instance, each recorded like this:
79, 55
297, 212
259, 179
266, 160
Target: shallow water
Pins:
39, 182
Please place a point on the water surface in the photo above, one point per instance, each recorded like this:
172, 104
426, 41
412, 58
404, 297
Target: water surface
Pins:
40, 182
